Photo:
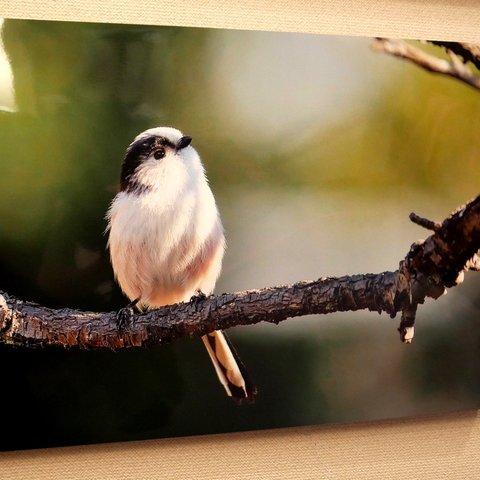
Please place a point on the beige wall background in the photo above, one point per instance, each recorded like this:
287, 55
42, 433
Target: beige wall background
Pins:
439, 447
433, 19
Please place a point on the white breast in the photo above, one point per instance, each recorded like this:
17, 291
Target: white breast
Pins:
168, 242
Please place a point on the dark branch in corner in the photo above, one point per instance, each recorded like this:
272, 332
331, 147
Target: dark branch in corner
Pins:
428, 269
455, 67
467, 51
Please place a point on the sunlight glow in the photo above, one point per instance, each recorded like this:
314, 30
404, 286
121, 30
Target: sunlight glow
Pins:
7, 94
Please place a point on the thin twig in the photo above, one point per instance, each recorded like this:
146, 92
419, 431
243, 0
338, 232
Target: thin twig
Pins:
469, 52
454, 67
407, 324
424, 222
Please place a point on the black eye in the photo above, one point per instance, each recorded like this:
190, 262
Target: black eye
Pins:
159, 153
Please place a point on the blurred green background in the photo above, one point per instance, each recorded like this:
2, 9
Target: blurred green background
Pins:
317, 149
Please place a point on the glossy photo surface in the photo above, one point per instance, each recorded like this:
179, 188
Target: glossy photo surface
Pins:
317, 148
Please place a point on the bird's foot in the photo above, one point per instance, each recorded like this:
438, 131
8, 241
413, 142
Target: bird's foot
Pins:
198, 297
125, 317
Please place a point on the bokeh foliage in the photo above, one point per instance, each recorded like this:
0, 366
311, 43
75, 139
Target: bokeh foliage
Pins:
82, 92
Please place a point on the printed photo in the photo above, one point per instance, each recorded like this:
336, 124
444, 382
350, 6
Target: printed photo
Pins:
207, 231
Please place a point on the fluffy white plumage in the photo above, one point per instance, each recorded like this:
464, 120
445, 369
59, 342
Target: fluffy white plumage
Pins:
167, 242
166, 238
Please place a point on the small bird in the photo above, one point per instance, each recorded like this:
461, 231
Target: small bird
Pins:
166, 239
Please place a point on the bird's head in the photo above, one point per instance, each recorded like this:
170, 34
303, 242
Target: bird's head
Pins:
154, 152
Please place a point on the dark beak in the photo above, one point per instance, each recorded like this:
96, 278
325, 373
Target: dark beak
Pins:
182, 143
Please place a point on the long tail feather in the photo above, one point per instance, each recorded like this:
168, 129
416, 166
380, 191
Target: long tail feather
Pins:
229, 368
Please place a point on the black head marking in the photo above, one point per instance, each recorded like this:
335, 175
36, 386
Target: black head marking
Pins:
135, 155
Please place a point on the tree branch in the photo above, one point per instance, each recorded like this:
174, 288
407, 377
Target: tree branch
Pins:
424, 222
455, 67
426, 271
467, 51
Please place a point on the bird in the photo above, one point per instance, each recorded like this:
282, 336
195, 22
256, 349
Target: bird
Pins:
166, 240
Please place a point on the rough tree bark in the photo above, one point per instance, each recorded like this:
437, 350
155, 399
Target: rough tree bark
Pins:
426, 271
